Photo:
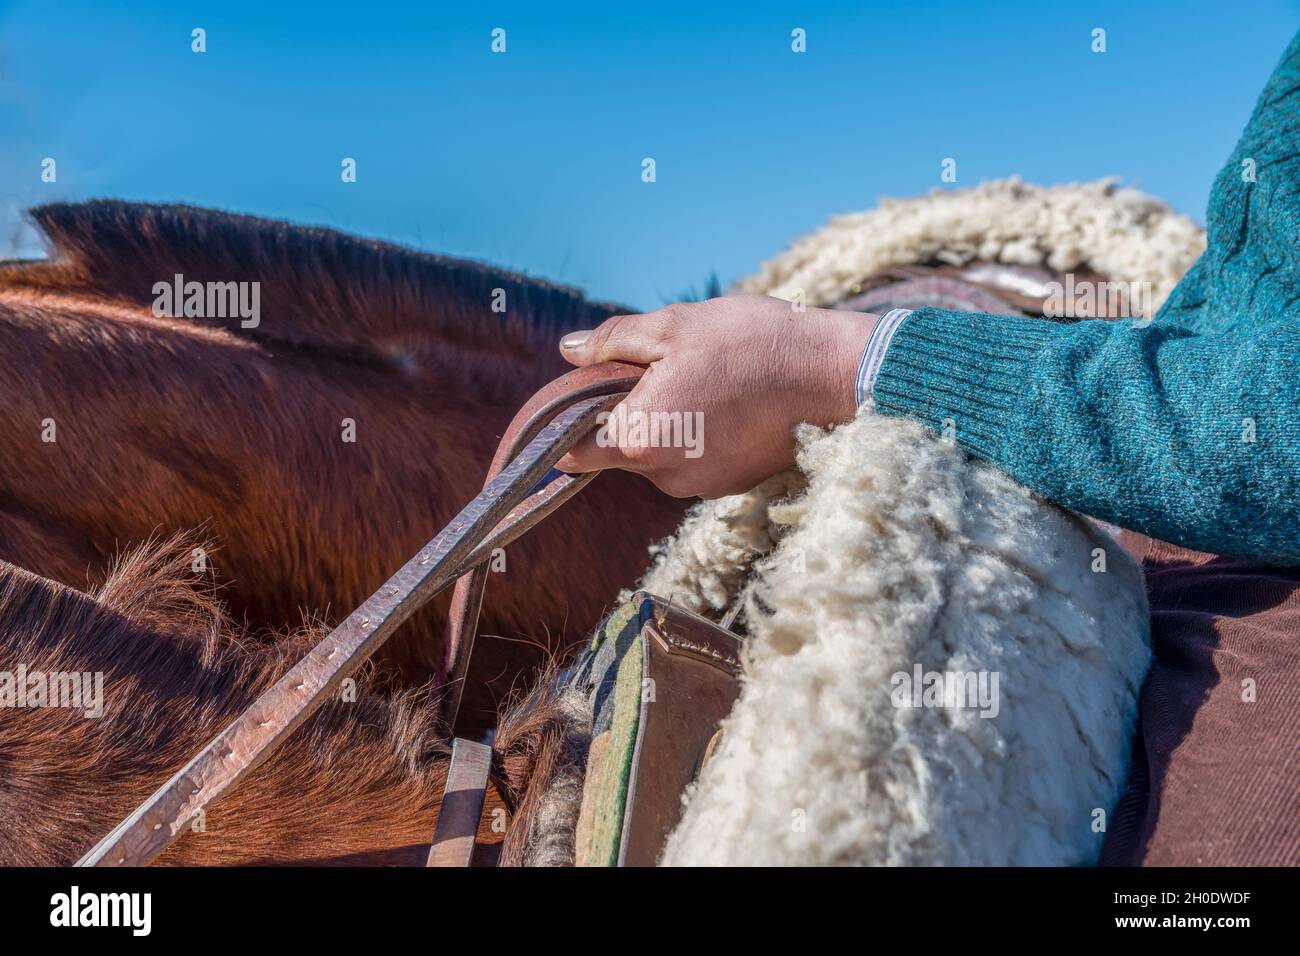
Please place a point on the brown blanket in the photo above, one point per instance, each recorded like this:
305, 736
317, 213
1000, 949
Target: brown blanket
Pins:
1214, 775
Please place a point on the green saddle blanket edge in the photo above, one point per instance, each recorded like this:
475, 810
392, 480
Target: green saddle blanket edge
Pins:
617, 662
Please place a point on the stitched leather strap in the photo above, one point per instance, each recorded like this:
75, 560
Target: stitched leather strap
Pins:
607, 378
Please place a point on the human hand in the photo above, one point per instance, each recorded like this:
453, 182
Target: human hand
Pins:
727, 381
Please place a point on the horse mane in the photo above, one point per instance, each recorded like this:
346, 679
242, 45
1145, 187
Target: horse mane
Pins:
362, 779
320, 288
360, 782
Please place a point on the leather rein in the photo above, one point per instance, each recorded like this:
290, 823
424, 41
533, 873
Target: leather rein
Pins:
521, 489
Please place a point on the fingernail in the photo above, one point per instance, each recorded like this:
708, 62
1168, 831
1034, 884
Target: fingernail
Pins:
575, 340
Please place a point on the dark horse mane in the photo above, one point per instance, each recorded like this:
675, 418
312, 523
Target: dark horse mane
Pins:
320, 288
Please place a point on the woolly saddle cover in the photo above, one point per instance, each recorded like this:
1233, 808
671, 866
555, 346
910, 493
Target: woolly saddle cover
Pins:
891, 555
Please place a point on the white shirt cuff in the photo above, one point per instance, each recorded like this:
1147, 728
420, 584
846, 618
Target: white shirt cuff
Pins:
873, 356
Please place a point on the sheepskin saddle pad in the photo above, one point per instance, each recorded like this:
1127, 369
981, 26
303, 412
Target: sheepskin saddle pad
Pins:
939, 668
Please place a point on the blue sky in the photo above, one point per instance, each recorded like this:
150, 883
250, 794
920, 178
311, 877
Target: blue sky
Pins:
532, 159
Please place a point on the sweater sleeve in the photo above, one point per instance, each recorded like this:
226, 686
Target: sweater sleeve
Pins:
1191, 437
1186, 428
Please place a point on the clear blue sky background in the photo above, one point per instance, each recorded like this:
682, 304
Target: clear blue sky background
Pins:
531, 159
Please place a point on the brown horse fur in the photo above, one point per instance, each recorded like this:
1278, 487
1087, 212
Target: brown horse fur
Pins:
164, 425
360, 782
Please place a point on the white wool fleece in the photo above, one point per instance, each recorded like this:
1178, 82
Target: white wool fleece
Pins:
904, 551
1122, 233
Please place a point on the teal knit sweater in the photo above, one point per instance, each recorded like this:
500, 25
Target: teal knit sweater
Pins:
1186, 428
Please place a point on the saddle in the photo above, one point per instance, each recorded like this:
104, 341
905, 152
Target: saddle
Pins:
658, 679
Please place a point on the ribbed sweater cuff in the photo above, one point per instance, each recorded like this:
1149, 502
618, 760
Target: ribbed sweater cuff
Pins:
963, 373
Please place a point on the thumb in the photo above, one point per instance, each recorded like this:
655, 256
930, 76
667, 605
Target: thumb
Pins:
624, 338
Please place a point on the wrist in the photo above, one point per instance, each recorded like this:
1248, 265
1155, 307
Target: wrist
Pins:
848, 334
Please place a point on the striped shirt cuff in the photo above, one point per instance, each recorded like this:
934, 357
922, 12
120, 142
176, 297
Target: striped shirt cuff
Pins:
873, 356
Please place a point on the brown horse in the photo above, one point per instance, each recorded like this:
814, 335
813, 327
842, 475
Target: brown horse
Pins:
320, 447
360, 783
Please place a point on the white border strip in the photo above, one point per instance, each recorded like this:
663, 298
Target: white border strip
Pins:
873, 356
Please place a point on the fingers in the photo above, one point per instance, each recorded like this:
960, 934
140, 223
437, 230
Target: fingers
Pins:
590, 455
601, 449
627, 338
